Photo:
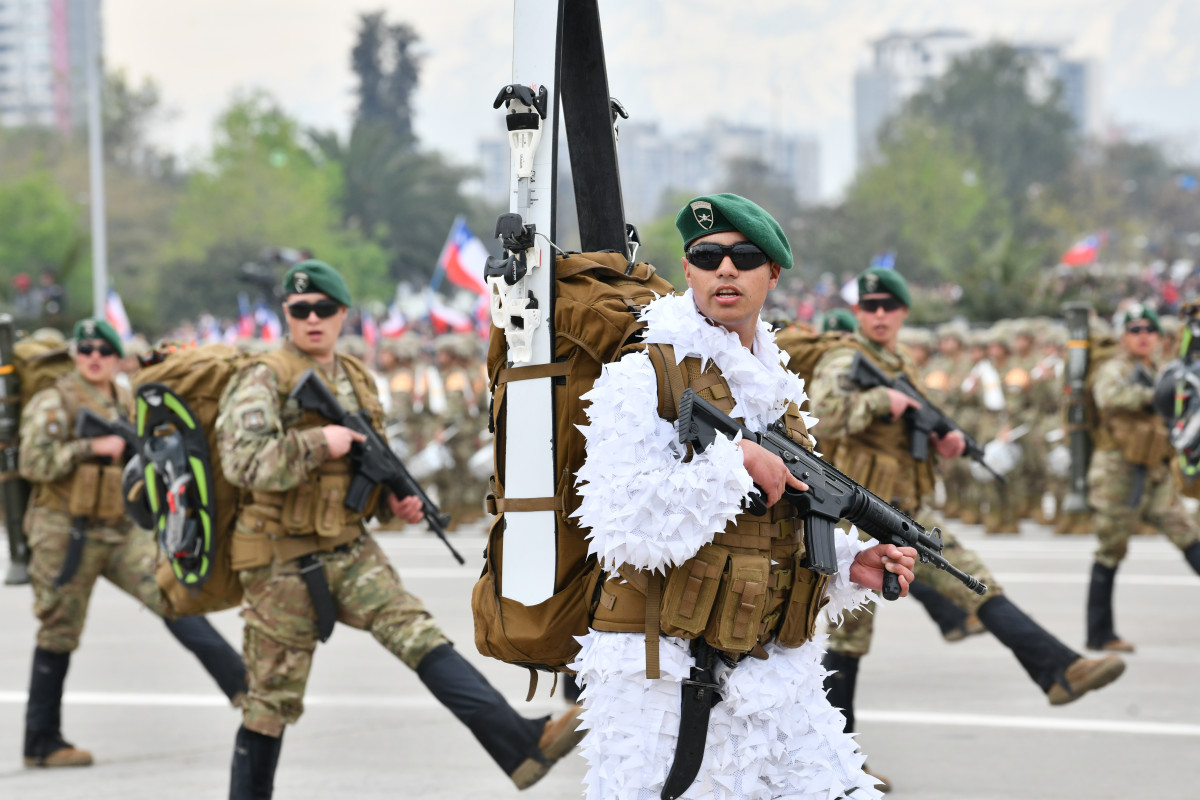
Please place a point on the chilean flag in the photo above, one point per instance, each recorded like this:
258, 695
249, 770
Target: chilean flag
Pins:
245, 323
1084, 251
370, 329
394, 324
446, 319
270, 328
464, 257
114, 312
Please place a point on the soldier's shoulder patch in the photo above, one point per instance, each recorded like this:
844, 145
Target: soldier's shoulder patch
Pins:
254, 419
54, 424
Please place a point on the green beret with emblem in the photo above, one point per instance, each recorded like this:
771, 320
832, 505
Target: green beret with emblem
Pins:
840, 319
93, 328
316, 276
878, 280
717, 213
1143, 312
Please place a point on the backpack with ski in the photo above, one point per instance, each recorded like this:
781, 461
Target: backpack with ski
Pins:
556, 321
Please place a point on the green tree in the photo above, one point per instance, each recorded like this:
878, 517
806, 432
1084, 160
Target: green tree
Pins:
385, 61
265, 185
41, 228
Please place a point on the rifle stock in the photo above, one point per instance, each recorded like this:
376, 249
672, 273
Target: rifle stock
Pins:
374, 461
831, 496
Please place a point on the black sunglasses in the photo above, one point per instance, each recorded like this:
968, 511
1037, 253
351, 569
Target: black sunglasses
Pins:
875, 303
709, 255
1142, 329
87, 348
324, 309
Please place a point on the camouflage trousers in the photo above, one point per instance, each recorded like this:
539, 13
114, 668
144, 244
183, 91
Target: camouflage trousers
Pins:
853, 636
281, 626
1110, 483
127, 560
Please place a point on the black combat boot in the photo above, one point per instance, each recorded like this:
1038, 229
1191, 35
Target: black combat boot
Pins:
223, 663
1192, 554
1062, 674
1101, 634
44, 744
255, 757
840, 684
524, 748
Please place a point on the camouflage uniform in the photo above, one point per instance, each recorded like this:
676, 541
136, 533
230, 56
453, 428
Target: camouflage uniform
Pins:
1121, 399
273, 449
262, 452
942, 379
849, 412
875, 453
113, 548
459, 493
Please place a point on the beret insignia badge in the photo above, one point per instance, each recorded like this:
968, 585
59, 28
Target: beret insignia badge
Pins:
300, 281
702, 211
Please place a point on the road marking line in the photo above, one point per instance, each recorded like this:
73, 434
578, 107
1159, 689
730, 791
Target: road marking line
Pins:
1036, 723
1125, 727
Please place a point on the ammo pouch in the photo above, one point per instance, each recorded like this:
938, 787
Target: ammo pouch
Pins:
876, 471
317, 505
740, 605
690, 592
1144, 442
805, 601
96, 492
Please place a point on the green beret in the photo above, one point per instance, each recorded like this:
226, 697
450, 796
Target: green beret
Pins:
716, 213
878, 279
1142, 312
840, 319
94, 328
316, 276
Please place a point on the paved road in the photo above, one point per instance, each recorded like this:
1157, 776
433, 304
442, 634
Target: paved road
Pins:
942, 721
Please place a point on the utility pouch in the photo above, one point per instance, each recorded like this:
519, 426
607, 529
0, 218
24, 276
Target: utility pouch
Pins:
741, 602
298, 505
804, 605
690, 592
876, 471
85, 488
331, 508
1143, 442
110, 503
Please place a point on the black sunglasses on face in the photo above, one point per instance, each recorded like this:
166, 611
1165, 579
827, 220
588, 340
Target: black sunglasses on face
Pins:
87, 348
324, 309
1141, 329
708, 255
874, 304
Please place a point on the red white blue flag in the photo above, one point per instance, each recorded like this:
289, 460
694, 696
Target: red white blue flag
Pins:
464, 257
114, 312
1083, 252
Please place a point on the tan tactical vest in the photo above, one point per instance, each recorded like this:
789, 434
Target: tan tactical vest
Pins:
1140, 436
879, 457
93, 490
745, 589
311, 517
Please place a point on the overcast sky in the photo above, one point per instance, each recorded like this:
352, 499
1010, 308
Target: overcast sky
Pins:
783, 63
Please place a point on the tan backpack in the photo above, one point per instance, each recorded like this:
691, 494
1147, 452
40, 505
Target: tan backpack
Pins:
805, 347
199, 375
596, 303
40, 359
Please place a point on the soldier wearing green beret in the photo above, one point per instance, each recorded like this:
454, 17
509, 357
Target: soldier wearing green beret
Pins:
79, 531
305, 559
839, 319
1129, 478
873, 447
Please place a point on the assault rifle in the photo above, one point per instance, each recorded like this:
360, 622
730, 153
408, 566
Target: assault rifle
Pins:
923, 420
89, 425
374, 461
830, 496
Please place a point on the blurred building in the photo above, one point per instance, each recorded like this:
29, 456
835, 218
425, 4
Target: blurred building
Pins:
42, 66
655, 165
904, 63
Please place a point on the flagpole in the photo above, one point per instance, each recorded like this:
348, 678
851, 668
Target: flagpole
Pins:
91, 16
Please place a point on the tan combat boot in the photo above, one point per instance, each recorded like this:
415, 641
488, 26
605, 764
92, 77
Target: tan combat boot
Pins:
969, 515
1084, 675
559, 737
881, 783
68, 756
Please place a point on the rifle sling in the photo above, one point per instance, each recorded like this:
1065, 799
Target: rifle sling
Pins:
74, 556
312, 570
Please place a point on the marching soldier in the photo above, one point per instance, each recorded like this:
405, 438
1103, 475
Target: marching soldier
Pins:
78, 532
1129, 480
875, 451
306, 560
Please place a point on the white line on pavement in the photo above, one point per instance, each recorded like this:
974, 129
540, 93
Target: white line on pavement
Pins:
426, 701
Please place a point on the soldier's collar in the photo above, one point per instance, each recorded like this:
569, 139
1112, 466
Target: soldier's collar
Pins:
879, 351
